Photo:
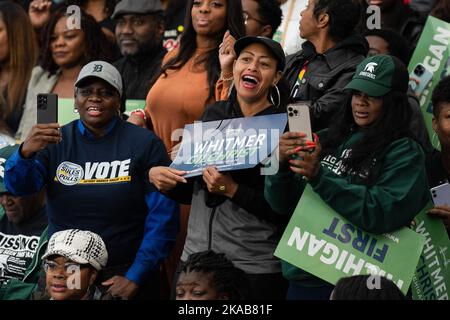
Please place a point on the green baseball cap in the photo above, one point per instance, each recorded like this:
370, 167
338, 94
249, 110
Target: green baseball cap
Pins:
378, 75
5, 153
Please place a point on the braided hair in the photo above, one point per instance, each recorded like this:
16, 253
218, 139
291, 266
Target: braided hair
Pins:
226, 278
356, 288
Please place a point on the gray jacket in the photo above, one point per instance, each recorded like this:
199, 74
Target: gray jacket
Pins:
40, 82
245, 227
227, 228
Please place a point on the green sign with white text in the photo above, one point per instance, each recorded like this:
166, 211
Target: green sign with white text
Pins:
432, 278
428, 65
323, 243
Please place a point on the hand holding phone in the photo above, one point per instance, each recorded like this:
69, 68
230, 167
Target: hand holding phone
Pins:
441, 195
419, 78
46, 131
299, 118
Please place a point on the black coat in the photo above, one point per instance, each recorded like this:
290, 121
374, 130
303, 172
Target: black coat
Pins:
138, 72
326, 76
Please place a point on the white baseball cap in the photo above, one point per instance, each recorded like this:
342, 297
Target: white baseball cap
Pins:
102, 70
83, 247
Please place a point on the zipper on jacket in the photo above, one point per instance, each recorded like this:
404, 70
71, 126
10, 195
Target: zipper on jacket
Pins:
213, 212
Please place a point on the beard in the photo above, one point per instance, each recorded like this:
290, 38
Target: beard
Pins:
140, 48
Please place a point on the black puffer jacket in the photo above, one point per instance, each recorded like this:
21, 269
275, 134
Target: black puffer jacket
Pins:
327, 74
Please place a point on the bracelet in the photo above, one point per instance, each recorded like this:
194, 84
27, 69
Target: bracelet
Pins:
222, 76
140, 113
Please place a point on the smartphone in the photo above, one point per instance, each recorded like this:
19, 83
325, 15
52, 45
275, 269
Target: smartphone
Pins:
299, 118
419, 78
47, 108
441, 195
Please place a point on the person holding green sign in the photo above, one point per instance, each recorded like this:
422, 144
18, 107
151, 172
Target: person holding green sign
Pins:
366, 167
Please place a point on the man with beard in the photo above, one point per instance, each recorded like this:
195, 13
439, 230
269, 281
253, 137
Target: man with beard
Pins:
139, 34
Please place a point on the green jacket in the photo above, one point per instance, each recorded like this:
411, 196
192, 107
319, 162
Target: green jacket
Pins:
23, 290
383, 197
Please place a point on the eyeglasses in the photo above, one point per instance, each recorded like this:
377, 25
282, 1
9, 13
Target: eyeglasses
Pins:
69, 267
102, 93
247, 17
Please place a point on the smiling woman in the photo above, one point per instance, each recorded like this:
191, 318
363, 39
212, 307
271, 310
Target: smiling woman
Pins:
94, 170
98, 103
185, 85
229, 213
64, 51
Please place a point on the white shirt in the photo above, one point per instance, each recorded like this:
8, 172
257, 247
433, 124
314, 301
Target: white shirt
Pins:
288, 34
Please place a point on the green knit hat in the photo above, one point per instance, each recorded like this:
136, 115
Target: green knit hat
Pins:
378, 75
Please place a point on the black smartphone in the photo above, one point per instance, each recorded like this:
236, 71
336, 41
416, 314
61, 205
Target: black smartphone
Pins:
47, 108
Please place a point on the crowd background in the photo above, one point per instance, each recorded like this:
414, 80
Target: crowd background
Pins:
202, 60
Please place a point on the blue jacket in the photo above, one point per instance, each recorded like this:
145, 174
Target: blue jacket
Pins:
102, 185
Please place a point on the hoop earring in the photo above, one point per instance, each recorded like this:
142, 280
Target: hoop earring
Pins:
279, 97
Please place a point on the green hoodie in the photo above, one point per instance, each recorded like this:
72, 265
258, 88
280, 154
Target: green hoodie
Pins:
23, 290
383, 197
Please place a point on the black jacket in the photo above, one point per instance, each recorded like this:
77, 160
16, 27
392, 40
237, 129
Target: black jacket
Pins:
326, 76
137, 72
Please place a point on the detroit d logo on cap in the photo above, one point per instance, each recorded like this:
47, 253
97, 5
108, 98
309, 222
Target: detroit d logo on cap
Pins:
369, 70
69, 173
97, 68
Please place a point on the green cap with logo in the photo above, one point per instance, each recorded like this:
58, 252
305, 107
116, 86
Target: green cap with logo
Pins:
378, 75
5, 153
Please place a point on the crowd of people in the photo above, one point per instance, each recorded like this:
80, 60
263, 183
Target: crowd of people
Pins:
94, 207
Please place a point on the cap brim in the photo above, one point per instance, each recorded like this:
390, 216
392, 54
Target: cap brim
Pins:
83, 80
368, 87
62, 253
244, 42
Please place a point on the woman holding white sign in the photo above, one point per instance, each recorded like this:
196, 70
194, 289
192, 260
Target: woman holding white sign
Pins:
366, 167
229, 213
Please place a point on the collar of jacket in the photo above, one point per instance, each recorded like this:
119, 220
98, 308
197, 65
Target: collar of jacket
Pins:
333, 56
146, 57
